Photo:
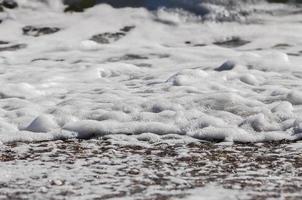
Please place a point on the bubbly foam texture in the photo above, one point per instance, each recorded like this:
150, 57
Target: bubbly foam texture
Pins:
168, 75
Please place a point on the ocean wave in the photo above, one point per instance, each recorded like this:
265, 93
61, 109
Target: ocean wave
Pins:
215, 10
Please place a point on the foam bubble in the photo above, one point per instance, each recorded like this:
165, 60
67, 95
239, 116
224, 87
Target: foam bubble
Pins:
43, 123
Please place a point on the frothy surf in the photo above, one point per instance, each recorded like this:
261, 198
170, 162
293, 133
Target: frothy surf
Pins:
134, 71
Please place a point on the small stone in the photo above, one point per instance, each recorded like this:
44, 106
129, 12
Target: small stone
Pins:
126, 29
232, 42
11, 4
57, 182
226, 66
134, 171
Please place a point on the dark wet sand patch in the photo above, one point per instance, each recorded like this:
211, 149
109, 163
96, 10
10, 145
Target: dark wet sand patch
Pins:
108, 37
261, 171
13, 47
39, 31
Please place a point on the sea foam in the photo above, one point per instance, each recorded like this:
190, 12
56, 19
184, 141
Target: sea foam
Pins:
167, 74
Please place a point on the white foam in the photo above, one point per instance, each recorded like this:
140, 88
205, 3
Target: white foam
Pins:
249, 79
213, 192
159, 78
89, 128
42, 124
295, 97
